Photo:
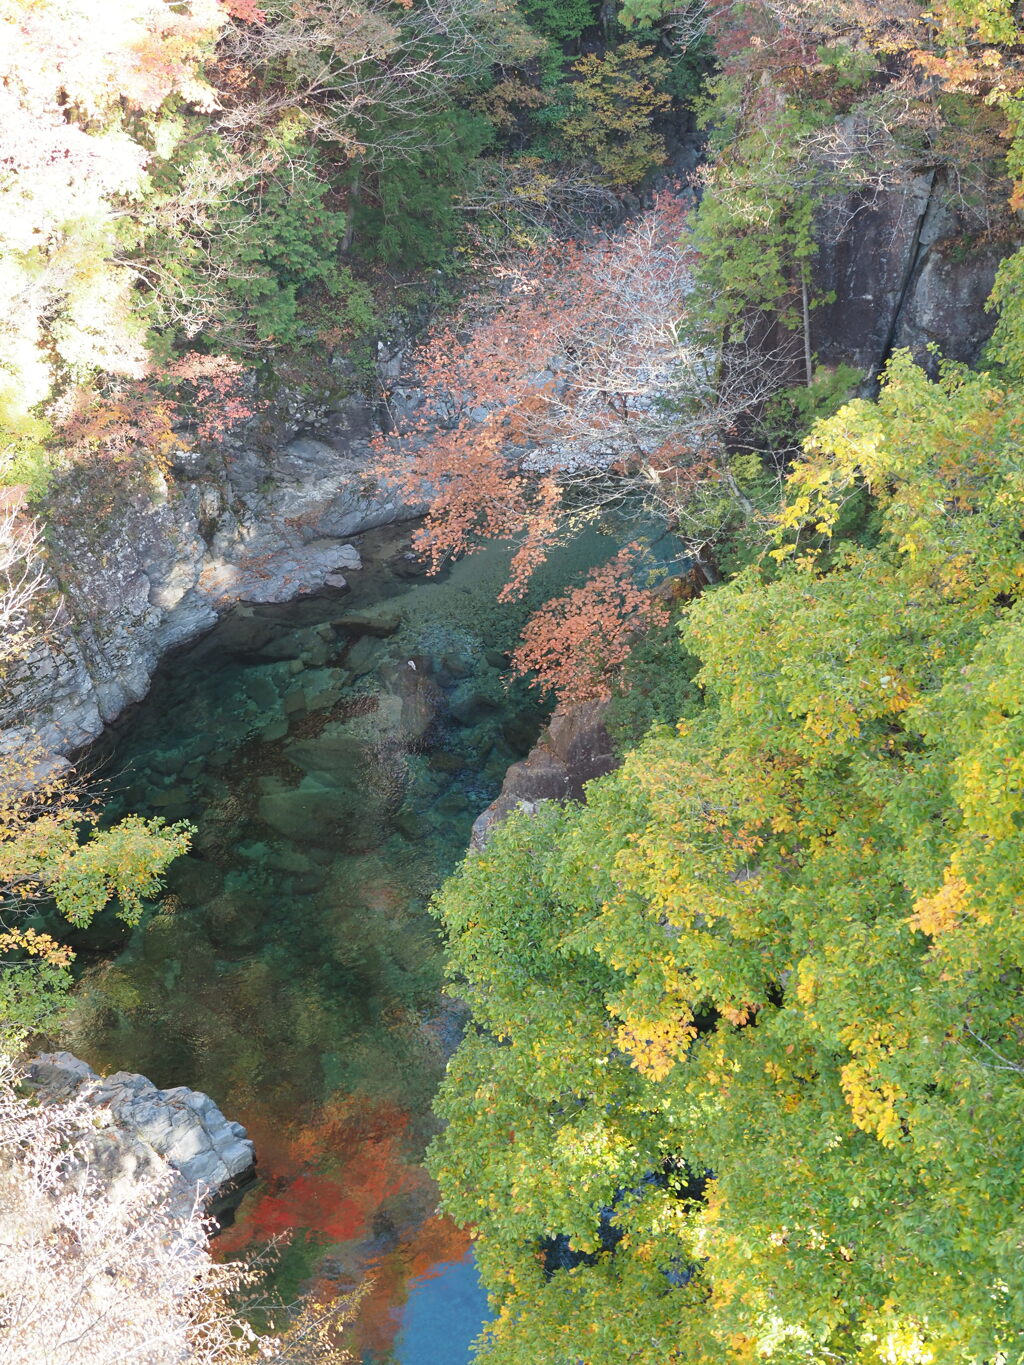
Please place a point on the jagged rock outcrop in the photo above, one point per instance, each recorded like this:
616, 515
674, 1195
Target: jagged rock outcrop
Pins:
573, 750
140, 1129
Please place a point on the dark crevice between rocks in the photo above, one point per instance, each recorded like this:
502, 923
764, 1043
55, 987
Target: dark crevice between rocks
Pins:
915, 258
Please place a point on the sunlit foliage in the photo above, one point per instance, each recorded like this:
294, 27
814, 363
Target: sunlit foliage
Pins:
102, 1272
779, 951
50, 847
614, 99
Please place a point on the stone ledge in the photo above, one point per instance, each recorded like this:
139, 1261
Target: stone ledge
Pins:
140, 1129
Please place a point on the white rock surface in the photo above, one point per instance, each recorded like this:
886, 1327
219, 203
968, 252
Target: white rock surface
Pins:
140, 1128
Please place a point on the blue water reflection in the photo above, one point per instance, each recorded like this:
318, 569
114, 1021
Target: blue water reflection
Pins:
442, 1315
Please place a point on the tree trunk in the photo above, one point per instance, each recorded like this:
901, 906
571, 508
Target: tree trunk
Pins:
350, 211
744, 502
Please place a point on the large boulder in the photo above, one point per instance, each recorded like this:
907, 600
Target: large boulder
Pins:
573, 750
140, 1129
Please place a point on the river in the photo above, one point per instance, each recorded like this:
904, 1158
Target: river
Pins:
332, 753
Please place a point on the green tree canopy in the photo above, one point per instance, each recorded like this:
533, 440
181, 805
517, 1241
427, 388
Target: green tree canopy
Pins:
52, 847
781, 948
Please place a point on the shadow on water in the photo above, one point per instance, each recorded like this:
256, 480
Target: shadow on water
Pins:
333, 753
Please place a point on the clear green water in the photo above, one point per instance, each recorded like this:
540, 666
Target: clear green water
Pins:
333, 753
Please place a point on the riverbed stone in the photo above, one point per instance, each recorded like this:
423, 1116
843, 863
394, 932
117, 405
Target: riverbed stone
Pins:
194, 880
362, 658
446, 761
335, 750
315, 813
422, 702
456, 666
283, 646
380, 624
294, 701
470, 707
232, 923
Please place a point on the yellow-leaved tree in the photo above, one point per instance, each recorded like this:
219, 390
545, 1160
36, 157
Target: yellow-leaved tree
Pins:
51, 845
747, 1076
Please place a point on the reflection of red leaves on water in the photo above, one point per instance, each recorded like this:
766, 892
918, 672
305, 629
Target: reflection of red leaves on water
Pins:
318, 1204
434, 1242
437, 1242
341, 1180
325, 1180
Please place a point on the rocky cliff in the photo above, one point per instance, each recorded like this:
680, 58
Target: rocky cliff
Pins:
263, 520
907, 266
141, 1130
574, 748
267, 517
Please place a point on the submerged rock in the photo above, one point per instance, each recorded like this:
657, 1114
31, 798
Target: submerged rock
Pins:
194, 880
232, 923
471, 707
140, 1129
319, 811
422, 703
380, 624
334, 752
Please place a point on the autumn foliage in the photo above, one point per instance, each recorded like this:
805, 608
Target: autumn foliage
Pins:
539, 403
575, 645
750, 1023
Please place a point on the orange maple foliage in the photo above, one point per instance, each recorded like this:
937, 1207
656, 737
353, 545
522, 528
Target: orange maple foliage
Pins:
215, 391
545, 384
125, 430
574, 643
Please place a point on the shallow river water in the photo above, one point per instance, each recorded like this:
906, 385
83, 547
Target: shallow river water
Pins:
333, 753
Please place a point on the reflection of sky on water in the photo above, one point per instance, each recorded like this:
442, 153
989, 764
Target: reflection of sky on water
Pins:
442, 1315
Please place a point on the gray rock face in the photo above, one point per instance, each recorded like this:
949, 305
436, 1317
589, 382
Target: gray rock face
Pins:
141, 1129
263, 520
901, 276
